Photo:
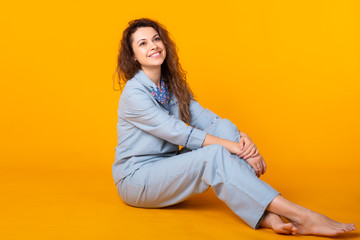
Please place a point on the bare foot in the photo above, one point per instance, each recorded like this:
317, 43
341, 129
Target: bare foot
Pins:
306, 221
314, 223
274, 222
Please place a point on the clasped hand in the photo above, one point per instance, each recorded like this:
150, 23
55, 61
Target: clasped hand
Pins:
250, 153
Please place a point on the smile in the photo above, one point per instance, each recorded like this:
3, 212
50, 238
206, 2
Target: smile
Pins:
155, 54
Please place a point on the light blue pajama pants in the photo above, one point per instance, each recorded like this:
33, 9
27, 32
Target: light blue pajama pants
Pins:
174, 179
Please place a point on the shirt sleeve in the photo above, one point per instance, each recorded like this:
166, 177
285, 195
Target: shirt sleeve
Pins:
201, 118
138, 108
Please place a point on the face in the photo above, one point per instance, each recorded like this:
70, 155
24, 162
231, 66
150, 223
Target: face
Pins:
148, 48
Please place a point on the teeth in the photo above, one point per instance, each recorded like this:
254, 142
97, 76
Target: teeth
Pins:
155, 54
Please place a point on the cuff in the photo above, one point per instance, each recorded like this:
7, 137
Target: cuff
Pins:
195, 139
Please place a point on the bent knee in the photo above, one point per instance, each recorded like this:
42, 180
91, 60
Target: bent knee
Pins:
224, 128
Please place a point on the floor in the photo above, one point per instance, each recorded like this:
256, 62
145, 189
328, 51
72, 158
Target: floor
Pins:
51, 202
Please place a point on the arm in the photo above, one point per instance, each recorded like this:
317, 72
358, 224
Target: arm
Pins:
232, 147
245, 148
138, 108
256, 161
201, 118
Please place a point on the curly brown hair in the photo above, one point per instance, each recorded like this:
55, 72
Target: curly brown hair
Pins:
171, 70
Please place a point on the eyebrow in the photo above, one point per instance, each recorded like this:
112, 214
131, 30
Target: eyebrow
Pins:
145, 39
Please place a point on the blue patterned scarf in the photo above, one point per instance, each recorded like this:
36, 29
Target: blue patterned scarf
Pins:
161, 95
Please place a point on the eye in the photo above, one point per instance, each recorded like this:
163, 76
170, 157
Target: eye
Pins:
157, 39
142, 44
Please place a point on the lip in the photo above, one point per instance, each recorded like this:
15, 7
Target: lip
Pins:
151, 55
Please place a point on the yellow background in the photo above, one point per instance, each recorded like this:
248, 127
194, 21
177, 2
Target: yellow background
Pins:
285, 72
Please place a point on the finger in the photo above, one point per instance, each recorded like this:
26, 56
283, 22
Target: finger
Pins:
253, 166
248, 143
260, 166
261, 163
256, 153
240, 154
247, 150
244, 149
250, 154
258, 169
265, 166
246, 156
241, 141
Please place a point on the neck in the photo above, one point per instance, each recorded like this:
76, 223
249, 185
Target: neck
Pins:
154, 74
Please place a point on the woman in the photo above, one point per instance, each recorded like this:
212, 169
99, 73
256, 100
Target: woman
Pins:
157, 113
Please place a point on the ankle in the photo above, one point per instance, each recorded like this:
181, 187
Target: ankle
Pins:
302, 216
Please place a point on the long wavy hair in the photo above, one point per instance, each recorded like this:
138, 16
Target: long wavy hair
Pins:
171, 70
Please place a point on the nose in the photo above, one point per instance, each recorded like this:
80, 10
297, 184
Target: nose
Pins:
153, 46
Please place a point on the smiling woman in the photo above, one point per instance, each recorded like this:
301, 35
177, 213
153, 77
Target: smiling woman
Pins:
142, 39
157, 114
148, 49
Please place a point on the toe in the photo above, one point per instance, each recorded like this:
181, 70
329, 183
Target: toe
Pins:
283, 228
287, 228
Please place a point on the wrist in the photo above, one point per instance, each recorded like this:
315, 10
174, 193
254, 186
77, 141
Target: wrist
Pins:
235, 148
242, 134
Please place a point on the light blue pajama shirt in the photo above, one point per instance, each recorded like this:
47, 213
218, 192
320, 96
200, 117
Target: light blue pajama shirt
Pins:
150, 171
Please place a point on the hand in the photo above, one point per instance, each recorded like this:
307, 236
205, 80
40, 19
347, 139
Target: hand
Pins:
258, 164
247, 147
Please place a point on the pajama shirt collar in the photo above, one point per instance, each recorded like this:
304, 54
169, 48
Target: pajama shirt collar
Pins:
161, 95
